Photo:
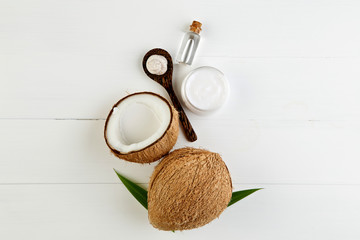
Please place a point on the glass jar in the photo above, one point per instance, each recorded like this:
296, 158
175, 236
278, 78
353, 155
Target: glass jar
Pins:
204, 90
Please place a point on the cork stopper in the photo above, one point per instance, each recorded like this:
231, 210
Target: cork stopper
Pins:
195, 27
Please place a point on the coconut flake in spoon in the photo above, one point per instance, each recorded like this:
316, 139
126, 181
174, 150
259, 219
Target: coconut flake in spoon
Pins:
156, 64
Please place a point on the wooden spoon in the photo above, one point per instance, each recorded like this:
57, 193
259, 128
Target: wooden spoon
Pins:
166, 81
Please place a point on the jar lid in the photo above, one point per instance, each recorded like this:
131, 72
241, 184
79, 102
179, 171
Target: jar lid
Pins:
204, 90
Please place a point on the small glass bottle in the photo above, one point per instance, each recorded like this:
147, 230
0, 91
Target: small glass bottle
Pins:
189, 44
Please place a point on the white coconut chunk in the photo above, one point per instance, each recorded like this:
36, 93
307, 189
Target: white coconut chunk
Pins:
137, 122
156, 64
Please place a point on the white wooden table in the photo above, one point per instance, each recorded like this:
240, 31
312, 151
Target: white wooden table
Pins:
291, 126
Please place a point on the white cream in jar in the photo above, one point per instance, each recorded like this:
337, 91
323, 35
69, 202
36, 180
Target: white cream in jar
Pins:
204, 90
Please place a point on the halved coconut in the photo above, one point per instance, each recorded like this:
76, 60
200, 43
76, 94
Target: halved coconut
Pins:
141, 127
188, 189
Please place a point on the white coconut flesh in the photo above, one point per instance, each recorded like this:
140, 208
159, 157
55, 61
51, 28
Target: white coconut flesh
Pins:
137, 122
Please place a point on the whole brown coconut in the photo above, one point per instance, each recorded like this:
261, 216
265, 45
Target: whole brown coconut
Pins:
188, 189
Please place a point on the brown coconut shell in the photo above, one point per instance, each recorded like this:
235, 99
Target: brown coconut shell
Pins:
160, 147
188, 189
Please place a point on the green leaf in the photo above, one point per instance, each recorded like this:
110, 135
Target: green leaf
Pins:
237, 196
138, 192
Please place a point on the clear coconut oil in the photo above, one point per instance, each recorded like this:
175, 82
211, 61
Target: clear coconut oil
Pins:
189, 44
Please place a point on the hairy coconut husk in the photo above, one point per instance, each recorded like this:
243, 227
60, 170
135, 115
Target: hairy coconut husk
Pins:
188, 189
160, 147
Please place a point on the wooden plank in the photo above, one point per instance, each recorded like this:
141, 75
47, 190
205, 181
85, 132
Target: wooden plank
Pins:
87, 87
73, 151
250, 28
74, 59
108, 211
